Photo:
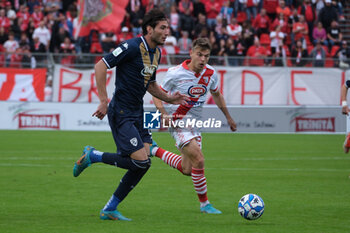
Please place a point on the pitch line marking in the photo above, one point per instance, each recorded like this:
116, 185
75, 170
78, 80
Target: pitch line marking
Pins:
166, 168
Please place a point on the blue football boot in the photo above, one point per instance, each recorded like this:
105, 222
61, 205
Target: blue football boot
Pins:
83, 162
112, 215
209, 209
154, 144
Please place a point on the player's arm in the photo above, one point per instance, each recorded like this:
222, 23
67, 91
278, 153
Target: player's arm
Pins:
176, 98
344, 92
160, 106
100, 76
220, 102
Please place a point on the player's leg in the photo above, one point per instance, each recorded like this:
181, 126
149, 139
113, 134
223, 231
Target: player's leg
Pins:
192, 152
186, 165
346, 145
170, 158
139, 158
127, 140
141, 164
195, 159
134, 138
191, 163
182, 138
131, 156
135, 135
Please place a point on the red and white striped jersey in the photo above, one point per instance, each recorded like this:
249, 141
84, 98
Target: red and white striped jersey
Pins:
196, 86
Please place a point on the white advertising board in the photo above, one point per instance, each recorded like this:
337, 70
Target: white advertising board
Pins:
78, 116
239, 85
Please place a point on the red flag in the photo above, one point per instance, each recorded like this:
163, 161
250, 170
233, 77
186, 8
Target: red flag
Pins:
100, 15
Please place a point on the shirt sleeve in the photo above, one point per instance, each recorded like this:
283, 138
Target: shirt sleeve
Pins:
347, 83
214, 86
121, 54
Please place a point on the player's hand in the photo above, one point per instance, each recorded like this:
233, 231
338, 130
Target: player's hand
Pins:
101, 111
178, 98
345, 110
232, 124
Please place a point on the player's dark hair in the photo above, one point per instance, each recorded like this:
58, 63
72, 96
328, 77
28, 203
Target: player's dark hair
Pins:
202, 43
152, 18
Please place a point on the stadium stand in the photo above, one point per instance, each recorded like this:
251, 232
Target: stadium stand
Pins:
52, 23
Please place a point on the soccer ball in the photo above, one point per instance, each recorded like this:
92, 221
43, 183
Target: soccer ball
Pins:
251, 206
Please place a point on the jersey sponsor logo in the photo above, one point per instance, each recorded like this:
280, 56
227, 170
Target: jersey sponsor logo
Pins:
148, 70
117, 51
197, 91
133, 141
193, 103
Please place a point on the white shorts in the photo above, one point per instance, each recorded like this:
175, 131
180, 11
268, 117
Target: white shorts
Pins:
183, 137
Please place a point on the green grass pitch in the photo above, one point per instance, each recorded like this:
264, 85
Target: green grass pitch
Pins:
303, 180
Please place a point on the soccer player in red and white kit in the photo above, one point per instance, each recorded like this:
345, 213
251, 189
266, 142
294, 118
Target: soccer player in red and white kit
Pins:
194, 77
346, 110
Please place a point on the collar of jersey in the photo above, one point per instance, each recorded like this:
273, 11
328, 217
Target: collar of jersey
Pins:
147, 47
185, 66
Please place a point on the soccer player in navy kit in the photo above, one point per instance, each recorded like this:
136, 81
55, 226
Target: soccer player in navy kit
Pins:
136, 61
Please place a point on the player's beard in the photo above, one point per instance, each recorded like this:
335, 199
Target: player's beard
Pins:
157, 39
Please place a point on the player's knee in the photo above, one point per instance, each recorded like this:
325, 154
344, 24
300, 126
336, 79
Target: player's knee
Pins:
143, 165
198, 161
187, 172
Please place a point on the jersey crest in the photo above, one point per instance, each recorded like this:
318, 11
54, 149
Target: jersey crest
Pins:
149, 67
133, 141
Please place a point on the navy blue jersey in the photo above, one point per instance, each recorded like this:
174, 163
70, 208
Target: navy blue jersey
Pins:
347, 83
136, 66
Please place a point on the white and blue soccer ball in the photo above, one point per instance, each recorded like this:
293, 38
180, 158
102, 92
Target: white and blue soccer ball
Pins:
251, 206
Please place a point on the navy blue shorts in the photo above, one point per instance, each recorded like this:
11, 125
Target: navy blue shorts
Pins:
128, 132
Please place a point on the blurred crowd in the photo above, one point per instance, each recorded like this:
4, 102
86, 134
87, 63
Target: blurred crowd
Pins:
247, 32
